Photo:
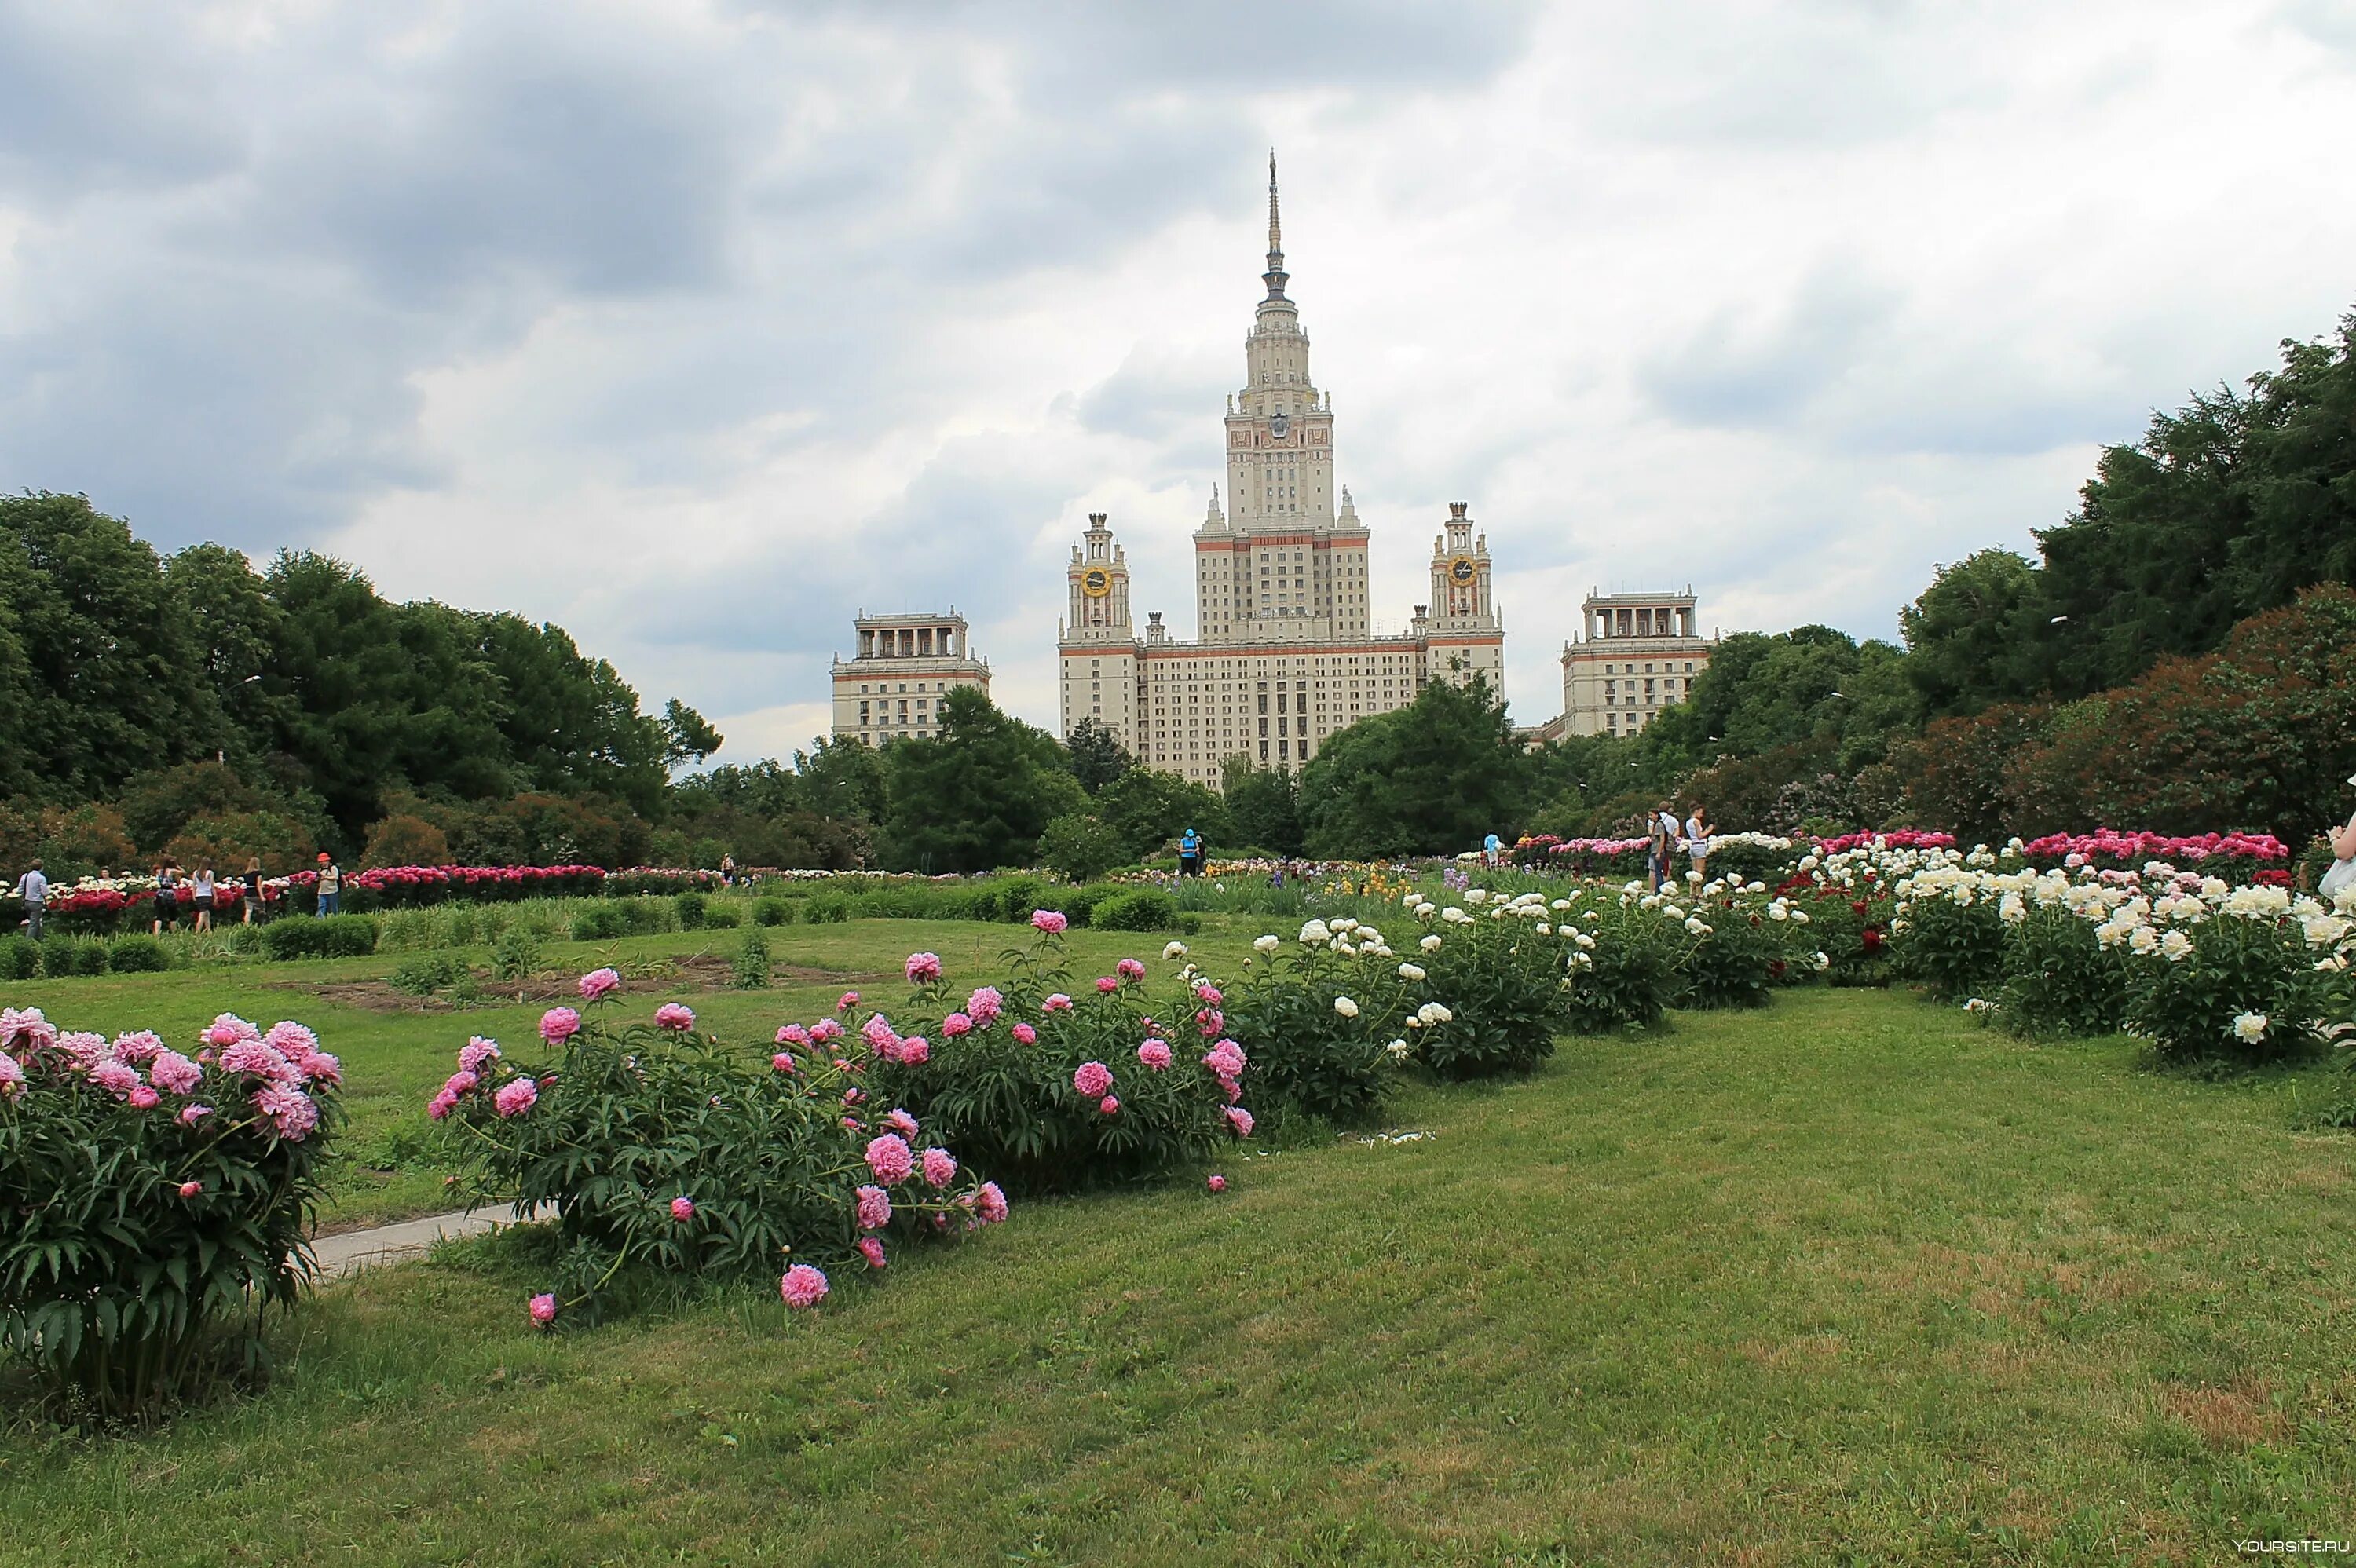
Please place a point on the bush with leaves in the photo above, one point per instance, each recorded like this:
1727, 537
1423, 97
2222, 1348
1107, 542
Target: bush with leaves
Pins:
1951, 943
1049, 1088
2242, 985
159, 1203
337, 936
667, 1153
1318, 1016
1141, 908
2062, 976
1501, 985
1738, 955
750, 972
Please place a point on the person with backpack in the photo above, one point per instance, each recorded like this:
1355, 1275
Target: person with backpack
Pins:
167, 897
1660, 840
1189, 854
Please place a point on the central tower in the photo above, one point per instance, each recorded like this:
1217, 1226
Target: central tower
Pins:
1282, 563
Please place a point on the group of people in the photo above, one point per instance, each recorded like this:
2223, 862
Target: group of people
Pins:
202, 886
1665, 836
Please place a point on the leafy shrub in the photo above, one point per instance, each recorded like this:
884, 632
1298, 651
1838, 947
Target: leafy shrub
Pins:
66, 956
136, 955
722, 917
515, 956
752, 970
2244, 990
1081, 847
1506, 999
1307, 1054
1029, 1112
144, 1274
20, 959
691, 907
667, 1153
1953, 948
337, 936
1140, 909
831, 909
773, 912
1735, 960
2058, 979
427, 973
1631, 972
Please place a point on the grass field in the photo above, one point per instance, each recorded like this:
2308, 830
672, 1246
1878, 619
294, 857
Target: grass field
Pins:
1849, 1281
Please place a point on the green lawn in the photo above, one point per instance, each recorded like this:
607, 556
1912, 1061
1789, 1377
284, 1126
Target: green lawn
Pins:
1849, 1281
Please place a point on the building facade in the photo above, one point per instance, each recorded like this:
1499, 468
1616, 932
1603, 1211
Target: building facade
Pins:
1635, 653
893, 685
1287, 653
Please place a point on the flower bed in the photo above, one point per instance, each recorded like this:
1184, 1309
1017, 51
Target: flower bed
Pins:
158, 1203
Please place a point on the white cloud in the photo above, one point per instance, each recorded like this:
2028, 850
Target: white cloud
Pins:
698, 326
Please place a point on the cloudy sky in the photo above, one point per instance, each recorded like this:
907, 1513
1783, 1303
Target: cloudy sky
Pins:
698, 326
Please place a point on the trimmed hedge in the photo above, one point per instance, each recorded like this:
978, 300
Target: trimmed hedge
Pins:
337, 936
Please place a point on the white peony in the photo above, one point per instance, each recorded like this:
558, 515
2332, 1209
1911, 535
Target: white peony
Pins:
2251, 1026
1265, 945
1431, 943
1413, 972
1397, 1049
1345, 1007
1694, 927
1315, 934
1175, 951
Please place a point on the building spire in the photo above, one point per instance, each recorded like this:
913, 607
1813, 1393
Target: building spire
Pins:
1274, 277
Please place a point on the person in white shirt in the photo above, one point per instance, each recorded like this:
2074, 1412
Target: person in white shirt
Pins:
1697, 840
34, 889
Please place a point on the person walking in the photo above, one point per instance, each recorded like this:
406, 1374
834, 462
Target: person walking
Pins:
1189, 854
1697, 840
203, 889
167, 897
34, 889
727, 871
1491, 847
330, 885
2339, 879
252, 886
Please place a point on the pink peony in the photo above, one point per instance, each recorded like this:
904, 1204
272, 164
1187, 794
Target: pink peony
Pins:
1213, 1022
262, 1061
802, 1287
1025, 1035
940, 1166
595, 984
890, 1158
1092, 1079
1241, 1120
191, 1114
794, 1034
1058, 1003
853, 1096
916, 1051
984, 1005
847, 1000
903, 1123
117, 1078
543, 1310
190, 1189
1109, 1105
475, 1051
1154, 1053
291, 1040
782, 1062
515, 1097
1107, 985
228, 1028
1217, 1184
438, 1108
674, 1015
292, 1112
142, 1097
682, 1209
87, 1049
559, 1024
1209, 994
877, 1032
459, 1082
12, 1077
1048, 921
956, 1024
1129, 970
924, 967
872, 1251
26, 1024
990, 1203
826, 1030
1225, 1058
140, 1045
874, 1207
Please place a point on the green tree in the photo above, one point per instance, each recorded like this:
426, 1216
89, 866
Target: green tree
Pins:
843, 779
978, 795
1431, 778
1095, 755
1971, 637
1149, 809
1263, 807
1080, 847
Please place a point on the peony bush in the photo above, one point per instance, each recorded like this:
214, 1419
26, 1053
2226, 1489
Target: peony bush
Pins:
159, 1202
666, 1153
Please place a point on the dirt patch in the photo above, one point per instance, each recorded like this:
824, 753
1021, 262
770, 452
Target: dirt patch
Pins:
2226, 1417
688, 972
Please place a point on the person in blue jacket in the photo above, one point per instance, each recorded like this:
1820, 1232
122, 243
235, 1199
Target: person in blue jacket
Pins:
1189, 854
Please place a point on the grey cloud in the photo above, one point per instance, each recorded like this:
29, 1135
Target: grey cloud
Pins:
1731, 373
97, 98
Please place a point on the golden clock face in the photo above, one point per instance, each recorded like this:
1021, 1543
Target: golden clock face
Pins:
1095, 582
1461, 569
